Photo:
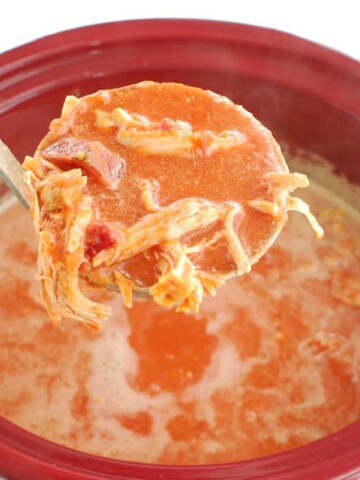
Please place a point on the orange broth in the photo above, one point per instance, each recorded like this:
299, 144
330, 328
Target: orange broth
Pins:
271, 363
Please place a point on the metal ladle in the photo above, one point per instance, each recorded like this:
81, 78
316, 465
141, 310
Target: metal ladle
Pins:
12, 174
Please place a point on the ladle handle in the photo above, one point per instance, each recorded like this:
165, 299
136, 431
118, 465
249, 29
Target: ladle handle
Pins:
12, 174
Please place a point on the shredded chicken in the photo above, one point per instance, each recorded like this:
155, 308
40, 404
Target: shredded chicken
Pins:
284, 183
63, 211
167, 136
180, 284
171, 223
77, 245
126, 287
299, 205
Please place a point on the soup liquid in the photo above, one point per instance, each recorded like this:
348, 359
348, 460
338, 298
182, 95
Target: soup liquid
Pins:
271, 363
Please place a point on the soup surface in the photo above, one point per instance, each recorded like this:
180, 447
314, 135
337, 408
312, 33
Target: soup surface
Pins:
271, 363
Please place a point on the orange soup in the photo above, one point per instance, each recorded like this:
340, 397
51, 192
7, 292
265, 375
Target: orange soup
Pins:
159, 187
271, 363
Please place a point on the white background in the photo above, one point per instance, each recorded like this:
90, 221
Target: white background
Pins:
331, 22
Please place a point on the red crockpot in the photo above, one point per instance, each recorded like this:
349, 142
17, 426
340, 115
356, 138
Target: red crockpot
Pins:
308, 95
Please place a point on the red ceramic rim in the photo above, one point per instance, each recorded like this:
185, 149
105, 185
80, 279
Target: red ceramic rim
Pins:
334, 78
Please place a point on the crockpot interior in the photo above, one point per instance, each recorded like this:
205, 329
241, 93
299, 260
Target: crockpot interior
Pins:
305, 94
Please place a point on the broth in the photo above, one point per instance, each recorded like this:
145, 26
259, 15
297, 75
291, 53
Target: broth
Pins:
271, 363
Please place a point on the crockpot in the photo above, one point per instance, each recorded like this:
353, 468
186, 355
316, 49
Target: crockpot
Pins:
308, 95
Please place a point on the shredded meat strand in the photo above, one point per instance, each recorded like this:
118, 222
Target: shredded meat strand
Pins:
167, 136
62, 246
